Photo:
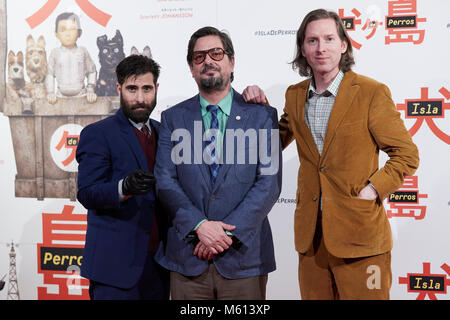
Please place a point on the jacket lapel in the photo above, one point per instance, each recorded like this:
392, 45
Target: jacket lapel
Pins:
194, 124
299, 117
155, 125
346, 94
131, 140
237, 120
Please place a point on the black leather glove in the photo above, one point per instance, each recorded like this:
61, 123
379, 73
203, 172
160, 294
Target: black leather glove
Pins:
138, 182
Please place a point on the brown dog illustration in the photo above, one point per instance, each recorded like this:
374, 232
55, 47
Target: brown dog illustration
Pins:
36, 66
16, 88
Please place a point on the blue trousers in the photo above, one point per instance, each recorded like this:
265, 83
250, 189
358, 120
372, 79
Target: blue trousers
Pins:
152, 285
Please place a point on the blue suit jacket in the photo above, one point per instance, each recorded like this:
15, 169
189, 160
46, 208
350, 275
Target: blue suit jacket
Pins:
241, 195
118, 233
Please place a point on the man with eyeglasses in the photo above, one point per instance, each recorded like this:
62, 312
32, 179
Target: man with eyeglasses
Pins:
219, 243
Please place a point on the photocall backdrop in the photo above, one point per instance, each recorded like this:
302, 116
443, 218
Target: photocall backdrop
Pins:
402, 43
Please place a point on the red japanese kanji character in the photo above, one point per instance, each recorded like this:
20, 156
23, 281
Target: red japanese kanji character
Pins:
400, 28
62, 231
355, 21
46, 10
69, 142
407, 209
428, 118
427, 272
371, 24
411, 182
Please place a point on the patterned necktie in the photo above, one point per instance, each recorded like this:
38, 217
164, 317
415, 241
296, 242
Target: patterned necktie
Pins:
145, 131
214, 166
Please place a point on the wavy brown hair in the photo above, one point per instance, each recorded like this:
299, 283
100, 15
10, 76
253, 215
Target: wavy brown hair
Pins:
300, 62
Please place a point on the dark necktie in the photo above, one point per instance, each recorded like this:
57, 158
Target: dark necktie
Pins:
148, 144
145, 131
214, 166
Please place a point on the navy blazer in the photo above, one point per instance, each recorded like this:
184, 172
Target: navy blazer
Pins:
241, 196
118, 233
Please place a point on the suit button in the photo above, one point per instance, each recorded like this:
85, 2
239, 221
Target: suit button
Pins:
322, 169
315, 198
213, 197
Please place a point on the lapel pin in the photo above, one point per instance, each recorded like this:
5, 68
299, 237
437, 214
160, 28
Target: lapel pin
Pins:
238, 117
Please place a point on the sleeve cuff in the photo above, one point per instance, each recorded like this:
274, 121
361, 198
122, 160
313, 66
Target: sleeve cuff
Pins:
373, 187
122, 197
198, 225
192, 233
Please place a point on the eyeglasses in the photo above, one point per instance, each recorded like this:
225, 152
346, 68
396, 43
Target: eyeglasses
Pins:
216, 54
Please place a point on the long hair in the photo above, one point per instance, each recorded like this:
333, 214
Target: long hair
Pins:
300, 62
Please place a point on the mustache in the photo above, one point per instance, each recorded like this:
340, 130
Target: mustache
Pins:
140, 105
208, 67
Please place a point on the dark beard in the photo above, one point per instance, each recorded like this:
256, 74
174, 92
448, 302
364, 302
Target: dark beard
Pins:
137, 116
212, 83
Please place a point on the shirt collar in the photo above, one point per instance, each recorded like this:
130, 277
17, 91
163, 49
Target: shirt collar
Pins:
224, 104
139, 125
70, 49
332, 89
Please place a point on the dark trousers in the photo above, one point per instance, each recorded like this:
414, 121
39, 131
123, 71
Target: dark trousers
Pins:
210, 285
152, 285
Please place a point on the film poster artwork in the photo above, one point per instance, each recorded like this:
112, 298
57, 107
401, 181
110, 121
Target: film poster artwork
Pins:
402, 23
49, 99
51, 94
406, 201
48, 109
426, 109
60, 256
427, 284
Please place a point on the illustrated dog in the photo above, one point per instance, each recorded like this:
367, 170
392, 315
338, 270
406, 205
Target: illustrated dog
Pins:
36, 66
110, 54
17, 92
146, 52
16, 79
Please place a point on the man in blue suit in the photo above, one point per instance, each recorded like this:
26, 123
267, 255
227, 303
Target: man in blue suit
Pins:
217, 188
116, 158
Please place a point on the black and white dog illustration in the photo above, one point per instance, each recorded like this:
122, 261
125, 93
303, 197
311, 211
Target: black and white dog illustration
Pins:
110, 54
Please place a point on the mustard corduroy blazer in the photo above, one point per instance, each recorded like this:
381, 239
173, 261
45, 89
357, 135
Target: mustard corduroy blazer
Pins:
363, 121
